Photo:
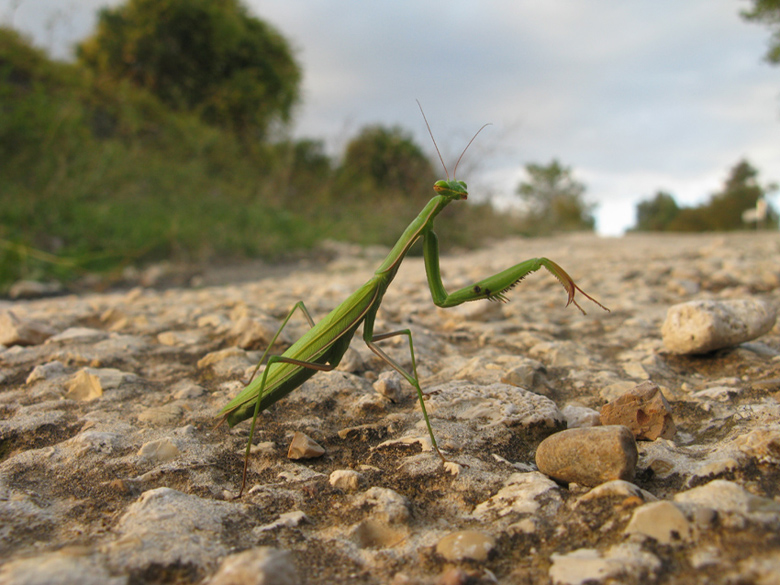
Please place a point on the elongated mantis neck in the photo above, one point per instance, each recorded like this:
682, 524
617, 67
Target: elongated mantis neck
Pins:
415, 229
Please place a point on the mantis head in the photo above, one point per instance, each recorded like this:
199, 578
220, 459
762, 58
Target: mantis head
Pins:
452, 189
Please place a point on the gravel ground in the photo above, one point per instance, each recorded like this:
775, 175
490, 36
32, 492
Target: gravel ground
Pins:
112, 469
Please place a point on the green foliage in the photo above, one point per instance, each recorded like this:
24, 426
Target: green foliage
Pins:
656, 214
209, 57
723, 212
97, 173
101, 174
554, 200
385, 159
767, 12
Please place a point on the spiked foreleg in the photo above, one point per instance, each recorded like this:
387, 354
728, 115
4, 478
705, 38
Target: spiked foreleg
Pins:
494, 287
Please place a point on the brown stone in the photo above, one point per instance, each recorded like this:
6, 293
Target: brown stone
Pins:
644, 410
304, 447
16, 331
588, 456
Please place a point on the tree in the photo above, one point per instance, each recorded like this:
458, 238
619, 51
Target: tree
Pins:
555, 200
656, 214
740, 192
386, 159
767, 12
206, 56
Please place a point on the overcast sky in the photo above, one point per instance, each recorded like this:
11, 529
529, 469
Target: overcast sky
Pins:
635, 96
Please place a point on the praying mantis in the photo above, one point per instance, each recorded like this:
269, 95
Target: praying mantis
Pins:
321, 348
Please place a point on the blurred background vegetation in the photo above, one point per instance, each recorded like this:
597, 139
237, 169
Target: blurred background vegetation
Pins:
167, 139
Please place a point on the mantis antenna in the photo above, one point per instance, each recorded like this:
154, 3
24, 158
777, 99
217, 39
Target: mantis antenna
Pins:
436, 146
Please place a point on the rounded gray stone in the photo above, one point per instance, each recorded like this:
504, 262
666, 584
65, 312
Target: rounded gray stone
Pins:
704, 326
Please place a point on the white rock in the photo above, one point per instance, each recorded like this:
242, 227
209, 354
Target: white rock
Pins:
520, 495
498, 403
286, 520
78, 335
704, 326
345, 479
619, 488
388, 505
257, 566
731, 498
46, 371
662, 521
16, 331
580, 416
59, 568
167, 527
159, 451
389, 385
97, 441
587, 565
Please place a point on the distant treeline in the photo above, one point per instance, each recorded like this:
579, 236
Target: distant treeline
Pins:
740, 204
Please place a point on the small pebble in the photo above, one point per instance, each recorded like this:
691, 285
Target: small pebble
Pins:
46, 371
388, 385
303, 446
345, 479
580, 416
159, 451
617, 488
84, 386
466, 544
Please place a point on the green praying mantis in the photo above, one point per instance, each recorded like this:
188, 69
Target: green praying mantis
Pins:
322, 347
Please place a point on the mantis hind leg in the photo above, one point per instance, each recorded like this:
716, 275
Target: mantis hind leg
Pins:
274, 359
412, 378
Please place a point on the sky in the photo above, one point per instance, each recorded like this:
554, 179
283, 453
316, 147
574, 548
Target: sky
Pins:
633, 96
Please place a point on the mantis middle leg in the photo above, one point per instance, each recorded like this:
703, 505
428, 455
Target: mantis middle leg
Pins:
412, 378
273, 360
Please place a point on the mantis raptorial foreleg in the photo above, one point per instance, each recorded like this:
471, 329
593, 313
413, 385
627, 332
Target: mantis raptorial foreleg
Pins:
494, 287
